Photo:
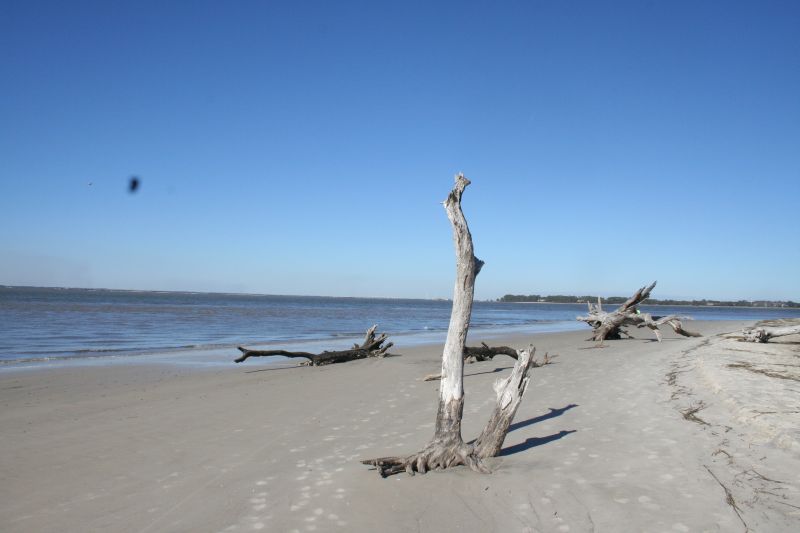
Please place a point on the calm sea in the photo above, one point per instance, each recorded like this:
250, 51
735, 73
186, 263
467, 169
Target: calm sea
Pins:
67, 326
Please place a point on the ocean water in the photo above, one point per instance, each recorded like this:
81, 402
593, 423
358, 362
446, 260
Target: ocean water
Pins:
40, 326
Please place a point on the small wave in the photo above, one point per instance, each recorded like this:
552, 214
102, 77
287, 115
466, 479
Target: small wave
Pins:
35, 356
346, 334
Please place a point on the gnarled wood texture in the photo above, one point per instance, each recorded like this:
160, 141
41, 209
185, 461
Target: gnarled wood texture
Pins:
484, 352
763, 333
372, 346
509, 396
610, 325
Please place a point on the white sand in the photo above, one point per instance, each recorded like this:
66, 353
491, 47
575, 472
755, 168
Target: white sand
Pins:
599, 444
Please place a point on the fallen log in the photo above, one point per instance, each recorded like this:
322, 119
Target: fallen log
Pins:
610, 325
535, 363
484, 352
765, 333
372, 346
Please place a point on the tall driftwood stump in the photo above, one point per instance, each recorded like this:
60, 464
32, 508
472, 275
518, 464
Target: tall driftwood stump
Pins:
447, 448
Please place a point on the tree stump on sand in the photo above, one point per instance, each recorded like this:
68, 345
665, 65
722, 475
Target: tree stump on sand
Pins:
447, 449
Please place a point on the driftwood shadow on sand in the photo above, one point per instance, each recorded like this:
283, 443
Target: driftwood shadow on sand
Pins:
535, 420
496, 370
534, 442
538, 441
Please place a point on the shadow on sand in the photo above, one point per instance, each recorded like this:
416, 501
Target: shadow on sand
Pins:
538, 441
534, 442
498, 369
272, 369
552, 414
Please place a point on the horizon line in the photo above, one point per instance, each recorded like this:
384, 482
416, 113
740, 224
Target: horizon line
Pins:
231, 293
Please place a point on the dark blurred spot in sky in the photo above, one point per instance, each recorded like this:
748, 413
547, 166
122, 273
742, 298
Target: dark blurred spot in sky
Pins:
133, 185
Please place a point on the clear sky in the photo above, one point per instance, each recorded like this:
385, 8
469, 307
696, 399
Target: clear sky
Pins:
304, 147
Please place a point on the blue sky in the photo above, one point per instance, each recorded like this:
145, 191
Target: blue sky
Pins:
305, 147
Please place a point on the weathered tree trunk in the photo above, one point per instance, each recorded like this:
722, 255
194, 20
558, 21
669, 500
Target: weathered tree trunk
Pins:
509, 396
372, 346
448, 449
765, 333
610, 325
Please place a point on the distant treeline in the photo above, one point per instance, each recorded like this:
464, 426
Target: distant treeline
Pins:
562, 299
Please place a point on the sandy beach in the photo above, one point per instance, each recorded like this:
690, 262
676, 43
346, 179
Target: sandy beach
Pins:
683, 435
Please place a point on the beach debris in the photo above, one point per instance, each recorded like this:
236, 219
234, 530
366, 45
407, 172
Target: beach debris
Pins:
372, 346
729, 499
690, 413
484, 352
764, 331
546, 360
610, 325
447, 449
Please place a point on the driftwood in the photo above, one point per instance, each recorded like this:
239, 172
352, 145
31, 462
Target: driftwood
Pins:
509, 396
765, 333
610, 325
372, 346
484, 352
547, 360
447, 448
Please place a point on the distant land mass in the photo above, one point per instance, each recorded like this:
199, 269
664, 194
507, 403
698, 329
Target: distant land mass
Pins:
562, 299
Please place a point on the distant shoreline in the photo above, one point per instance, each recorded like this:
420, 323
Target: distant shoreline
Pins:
658, 305
493, 300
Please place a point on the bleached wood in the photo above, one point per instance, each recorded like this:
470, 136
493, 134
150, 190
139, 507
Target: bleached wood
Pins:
765, 333
467, 268
447, 448
609, 325
509, 395
372, 346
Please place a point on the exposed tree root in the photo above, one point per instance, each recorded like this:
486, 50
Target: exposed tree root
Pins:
446, 451
437, 455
